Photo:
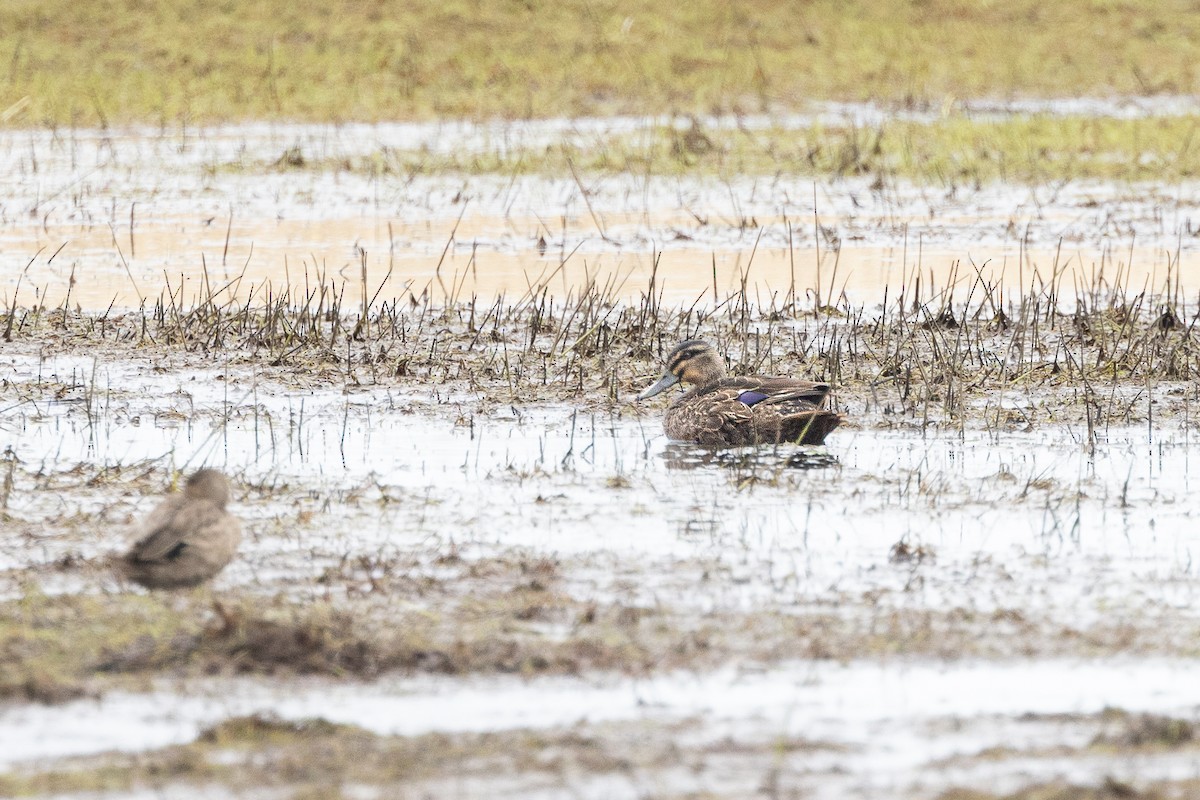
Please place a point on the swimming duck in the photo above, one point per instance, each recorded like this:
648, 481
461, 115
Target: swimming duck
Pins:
720, 411
187, 539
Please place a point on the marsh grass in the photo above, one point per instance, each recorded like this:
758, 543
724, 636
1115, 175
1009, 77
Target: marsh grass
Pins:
1099, 354
157, 61
1082, 355
465, 617
307, 756
1108, 789
1147, 731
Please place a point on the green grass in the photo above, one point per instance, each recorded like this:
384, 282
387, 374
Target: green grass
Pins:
950, 150
109, 61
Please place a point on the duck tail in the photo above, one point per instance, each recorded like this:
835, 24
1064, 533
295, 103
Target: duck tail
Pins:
810, 427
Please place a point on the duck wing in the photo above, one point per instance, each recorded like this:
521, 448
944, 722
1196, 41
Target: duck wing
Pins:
752, 410
789, 410
177, 523
752, 390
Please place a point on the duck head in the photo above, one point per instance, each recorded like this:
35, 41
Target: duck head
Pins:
208, 484
693, 362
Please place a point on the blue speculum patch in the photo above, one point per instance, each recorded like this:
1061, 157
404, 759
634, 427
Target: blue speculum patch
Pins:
750, 397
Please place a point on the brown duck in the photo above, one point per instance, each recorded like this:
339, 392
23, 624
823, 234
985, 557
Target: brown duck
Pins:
188, 539
720, 411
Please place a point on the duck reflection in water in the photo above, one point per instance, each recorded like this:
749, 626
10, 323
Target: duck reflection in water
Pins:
748, 461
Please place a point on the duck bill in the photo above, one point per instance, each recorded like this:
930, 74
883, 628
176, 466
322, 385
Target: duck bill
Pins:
665, 382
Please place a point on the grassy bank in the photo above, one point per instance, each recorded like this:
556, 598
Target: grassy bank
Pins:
89, 63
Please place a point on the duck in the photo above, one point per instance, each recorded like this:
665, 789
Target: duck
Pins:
187, 539
723, 411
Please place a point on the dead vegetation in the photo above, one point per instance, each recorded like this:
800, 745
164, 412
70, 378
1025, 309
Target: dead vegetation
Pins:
313, 757
491, 616
1124, 731
316, 758
494, 616
1099, 356
1109, 789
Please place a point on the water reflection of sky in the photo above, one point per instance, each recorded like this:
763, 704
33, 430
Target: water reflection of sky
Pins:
1034, 523
382, 467
121, 212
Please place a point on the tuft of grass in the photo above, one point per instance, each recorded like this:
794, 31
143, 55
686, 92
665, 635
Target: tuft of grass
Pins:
1150, 731
257, 730
48, 646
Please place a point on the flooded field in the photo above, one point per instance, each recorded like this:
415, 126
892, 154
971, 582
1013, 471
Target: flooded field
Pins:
474, 567
896, 612
106, 218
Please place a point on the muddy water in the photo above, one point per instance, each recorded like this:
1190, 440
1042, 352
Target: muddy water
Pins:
1036, 526
110, 217
950, 492
543, 477
1100, 536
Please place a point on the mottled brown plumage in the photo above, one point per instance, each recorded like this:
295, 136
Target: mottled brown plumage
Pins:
727, 412
187, 539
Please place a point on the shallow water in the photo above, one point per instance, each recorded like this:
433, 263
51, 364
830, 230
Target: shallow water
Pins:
108, 216
883, 727
1074, 538
1088, 524
1036, 526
